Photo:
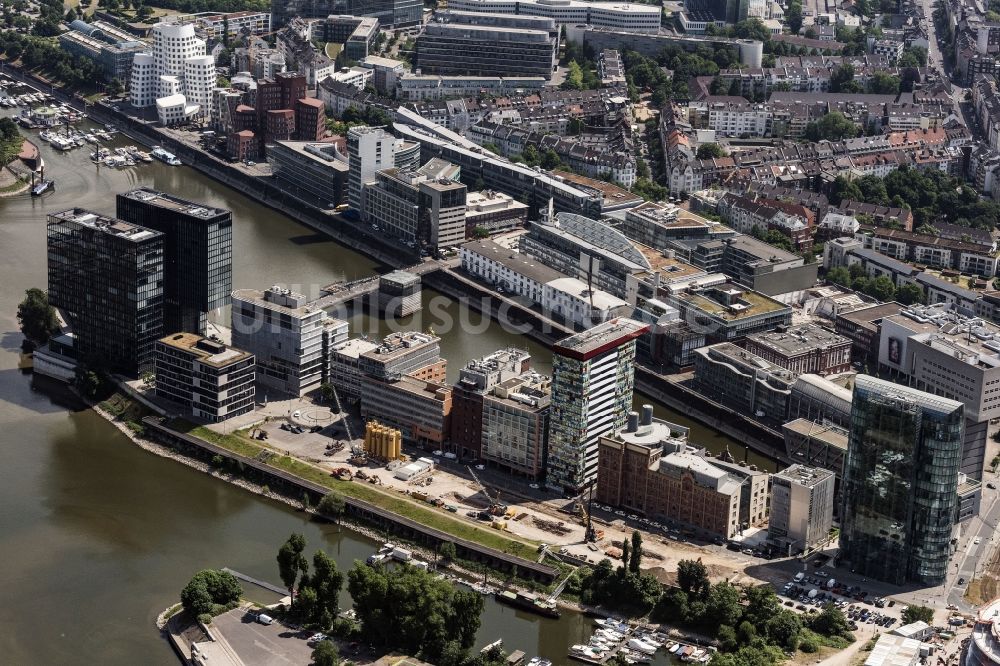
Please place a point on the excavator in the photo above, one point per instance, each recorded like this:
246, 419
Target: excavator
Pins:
496, 507
583, 511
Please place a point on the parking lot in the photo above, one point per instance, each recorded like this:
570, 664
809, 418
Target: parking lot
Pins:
260, 644
813, 592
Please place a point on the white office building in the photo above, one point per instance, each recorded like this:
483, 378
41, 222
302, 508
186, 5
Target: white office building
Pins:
288, 335
801, 507
176, 65
369, 150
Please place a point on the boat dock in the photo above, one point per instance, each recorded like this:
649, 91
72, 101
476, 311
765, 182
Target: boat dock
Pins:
637, 644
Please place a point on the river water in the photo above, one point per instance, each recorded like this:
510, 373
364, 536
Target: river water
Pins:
98, 536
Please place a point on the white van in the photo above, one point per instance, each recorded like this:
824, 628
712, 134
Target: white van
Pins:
265, 619
799, 576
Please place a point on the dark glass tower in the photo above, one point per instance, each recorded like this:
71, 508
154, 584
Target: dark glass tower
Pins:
900, 483
198, 255
106, 276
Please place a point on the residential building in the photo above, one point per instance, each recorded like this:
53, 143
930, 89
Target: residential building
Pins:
175, 74
197, 254
641, 18
386, 73
316, 173
515, 420
900, 483
475, 380
237, 23
242, 146
288, 337
744, 383
807, 348
802, 501
214, 382
420, 87
648, 468
487, 45
114, 60
593, 376
610, 68
106, 278
355, 34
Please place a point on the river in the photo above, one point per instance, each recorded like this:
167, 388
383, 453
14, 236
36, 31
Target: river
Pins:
98, 536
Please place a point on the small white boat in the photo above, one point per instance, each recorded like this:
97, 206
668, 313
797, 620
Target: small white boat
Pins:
640, 646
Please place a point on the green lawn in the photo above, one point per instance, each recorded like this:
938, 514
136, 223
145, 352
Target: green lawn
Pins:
424, 514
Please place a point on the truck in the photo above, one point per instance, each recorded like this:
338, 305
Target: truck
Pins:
812, 593
799, 576
832, 583
401, 554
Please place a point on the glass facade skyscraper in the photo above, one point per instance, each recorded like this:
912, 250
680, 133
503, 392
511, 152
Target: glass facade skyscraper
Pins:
900, 483
198, 254
106, 277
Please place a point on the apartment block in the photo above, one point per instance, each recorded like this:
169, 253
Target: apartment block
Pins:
807, 348
475, 380
515, 422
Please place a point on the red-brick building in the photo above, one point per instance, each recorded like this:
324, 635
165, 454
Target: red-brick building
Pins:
310, 119
242, 146
280, 125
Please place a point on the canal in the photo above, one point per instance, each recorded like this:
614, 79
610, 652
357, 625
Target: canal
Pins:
96, 535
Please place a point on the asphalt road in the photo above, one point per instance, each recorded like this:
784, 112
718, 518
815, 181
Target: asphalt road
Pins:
263, 645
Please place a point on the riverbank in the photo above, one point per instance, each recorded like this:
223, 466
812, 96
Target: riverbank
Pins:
11, 184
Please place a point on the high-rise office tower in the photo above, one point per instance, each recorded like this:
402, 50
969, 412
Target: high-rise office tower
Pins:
900, 483
593, 375
197, 254
369, 150
106, 276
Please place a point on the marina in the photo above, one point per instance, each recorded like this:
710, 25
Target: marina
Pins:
635, 644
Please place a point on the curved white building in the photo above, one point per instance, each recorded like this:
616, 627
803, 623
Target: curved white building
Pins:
620, 15
176, 67
984, 647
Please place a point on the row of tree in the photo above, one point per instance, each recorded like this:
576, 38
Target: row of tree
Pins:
880, 288
38, 52
933, 196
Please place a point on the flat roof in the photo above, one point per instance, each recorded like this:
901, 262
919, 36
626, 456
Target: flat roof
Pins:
611, 192
797, 340
826, 433
354, 347
805, 475
758, 304
170, 202
514, 260
208, 351
399, 344
105, 224
600, 338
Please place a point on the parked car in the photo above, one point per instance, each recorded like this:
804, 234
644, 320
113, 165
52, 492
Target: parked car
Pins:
265, 619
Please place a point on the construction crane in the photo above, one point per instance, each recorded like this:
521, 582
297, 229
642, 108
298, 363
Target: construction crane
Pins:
496, 508
343, 415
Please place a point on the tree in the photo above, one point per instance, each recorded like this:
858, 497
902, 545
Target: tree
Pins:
883, 83
210, 588
331, 506
881, 289
909, 294
574, 77
830, 622
844, 189
116, 88
793, 16
447, 551
710, 150
479, 231
325, 654
636, 559
839, 275
410, 610
784, 628
918, 614
723, 605
291, 562
834, 126
326, 581
37, 318
626, 549
692, 577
